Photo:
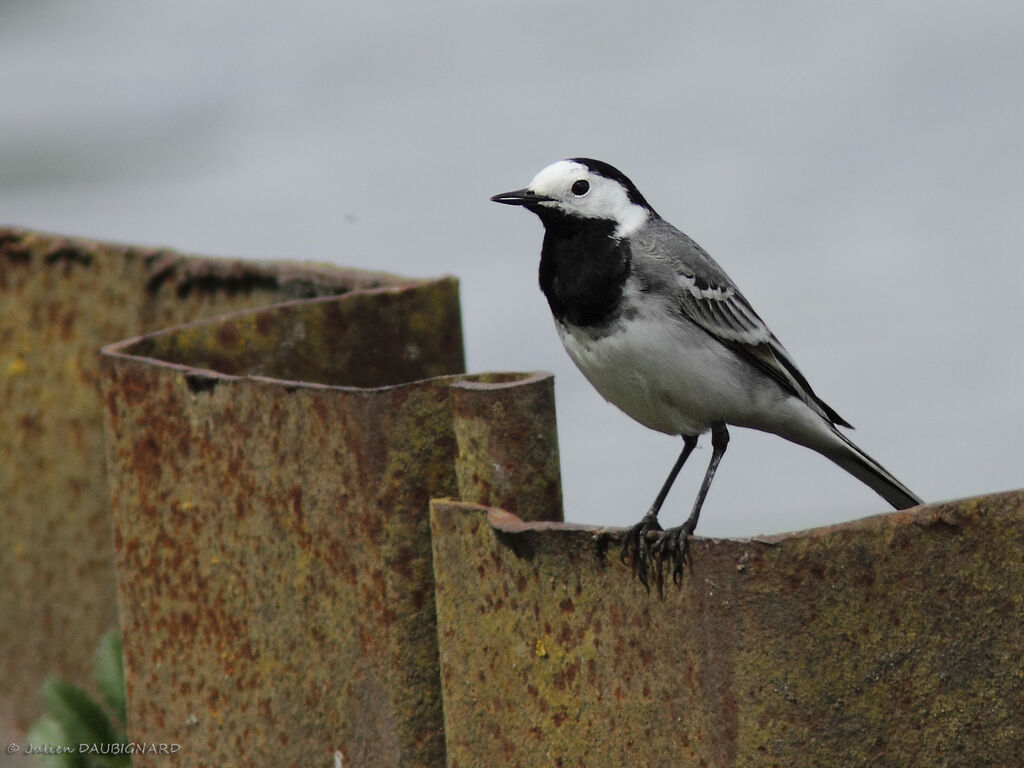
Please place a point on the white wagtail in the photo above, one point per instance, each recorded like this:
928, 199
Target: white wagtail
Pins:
660, 331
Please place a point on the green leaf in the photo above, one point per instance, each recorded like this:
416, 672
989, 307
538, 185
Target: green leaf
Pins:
81, 718
109, 672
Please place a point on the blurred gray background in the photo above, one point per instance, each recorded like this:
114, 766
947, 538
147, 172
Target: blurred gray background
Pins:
857, 169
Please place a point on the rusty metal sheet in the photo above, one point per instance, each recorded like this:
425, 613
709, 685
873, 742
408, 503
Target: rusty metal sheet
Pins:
270, 476
60, 300
892, 640
507, 436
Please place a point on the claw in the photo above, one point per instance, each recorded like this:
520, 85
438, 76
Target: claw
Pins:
673, 546
636, 548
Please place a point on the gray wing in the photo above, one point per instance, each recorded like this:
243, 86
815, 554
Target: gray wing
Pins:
705, 295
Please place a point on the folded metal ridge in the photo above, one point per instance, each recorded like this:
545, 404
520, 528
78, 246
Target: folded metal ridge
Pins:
145, 348
951, 513
189, 273
372, 338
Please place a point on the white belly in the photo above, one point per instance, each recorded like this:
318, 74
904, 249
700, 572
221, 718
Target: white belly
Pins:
670, 376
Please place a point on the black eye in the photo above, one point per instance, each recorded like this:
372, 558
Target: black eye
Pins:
580, 188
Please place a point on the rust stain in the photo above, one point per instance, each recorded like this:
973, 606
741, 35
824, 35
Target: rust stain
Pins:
507, 443
837, 646
280, 567
61, 299
227, 335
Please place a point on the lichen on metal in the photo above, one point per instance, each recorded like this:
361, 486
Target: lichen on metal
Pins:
61, 299
893, 640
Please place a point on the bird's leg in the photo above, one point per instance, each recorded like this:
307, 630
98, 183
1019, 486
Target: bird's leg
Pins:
634, 544
674, 543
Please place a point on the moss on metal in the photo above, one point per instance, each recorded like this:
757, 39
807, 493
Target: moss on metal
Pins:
893, 640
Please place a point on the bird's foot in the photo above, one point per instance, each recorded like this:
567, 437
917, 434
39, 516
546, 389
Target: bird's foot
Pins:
673, 546
636, 547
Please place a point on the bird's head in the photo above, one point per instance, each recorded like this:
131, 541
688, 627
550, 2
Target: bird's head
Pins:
582, 188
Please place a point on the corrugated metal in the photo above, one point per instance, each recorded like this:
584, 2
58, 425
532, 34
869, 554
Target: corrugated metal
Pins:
893, 640
61, 299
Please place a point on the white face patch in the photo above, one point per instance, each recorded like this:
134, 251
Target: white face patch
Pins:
576, 190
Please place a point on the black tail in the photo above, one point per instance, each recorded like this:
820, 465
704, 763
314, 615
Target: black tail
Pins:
873, 474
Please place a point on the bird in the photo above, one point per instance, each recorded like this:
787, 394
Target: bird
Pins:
661, 331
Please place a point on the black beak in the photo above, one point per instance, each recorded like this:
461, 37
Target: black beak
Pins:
520, 197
